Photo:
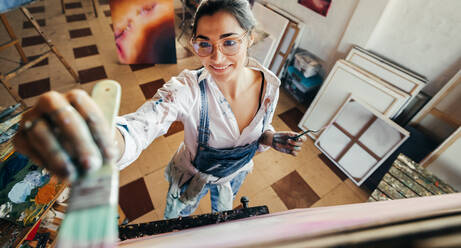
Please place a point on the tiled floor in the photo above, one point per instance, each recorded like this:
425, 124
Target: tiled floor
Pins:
279, 181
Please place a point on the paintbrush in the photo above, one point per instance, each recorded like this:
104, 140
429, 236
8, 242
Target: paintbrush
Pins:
306, 132
91, 218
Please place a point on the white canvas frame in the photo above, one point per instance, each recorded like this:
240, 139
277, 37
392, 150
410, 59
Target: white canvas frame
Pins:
372, 158
390, 73
344, 79
400, 78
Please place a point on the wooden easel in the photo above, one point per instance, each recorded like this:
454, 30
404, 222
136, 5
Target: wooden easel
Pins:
27, 64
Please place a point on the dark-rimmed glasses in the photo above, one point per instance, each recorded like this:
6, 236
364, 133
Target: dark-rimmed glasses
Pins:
228, 46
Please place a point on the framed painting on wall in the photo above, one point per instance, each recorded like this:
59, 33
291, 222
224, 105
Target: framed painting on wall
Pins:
144, 31
319, 6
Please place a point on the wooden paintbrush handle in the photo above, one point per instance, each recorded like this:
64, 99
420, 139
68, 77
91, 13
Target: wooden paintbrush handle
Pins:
107, 95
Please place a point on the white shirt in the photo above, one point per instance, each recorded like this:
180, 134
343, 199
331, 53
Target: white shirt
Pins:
179, 100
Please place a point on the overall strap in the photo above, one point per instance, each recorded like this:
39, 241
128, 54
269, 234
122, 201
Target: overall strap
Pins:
268, 111
261, 91
203, 129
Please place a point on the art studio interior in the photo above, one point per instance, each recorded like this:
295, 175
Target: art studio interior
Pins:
377, 83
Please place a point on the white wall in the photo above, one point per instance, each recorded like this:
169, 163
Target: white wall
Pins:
361, 25
422, 35
321, 35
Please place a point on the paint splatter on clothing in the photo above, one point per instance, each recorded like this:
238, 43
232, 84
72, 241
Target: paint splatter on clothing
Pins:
179, 100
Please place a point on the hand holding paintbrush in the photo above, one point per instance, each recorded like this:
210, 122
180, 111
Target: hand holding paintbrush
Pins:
67, 134
286, 141
71, 135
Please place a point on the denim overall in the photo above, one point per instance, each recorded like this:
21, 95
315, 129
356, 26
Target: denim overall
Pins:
217, 162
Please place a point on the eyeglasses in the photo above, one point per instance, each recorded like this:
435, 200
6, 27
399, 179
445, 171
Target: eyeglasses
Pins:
228, 46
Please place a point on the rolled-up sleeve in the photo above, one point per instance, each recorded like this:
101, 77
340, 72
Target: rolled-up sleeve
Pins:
154, 117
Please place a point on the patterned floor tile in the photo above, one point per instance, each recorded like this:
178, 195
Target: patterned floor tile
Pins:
73, 5
36, 9
295, 192
138, 67
291, 118
32, 41
92, 74
134, 199
81, 32
75, 18
107, 13
149, 89
85, 51
28, 24
34, 88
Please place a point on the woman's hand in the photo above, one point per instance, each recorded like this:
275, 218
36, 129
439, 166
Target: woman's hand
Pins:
283, 141
65, 133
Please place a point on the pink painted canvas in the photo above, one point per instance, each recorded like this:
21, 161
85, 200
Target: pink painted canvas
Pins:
319, 6
144, 31
301, 224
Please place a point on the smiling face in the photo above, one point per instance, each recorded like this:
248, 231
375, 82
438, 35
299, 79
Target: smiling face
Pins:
214, 28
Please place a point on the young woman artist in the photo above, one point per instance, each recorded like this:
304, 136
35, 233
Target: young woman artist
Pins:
226, 108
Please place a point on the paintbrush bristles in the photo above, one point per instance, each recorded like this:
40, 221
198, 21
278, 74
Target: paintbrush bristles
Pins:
95, 227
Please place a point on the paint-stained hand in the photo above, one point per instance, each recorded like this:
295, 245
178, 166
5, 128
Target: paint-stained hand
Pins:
65, 133
285, 142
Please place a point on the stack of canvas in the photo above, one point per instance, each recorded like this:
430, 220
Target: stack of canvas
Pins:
385, 86
356, 102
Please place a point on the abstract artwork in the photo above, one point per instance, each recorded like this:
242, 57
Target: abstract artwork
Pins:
319, 6
25, 190
144, 31
7, 5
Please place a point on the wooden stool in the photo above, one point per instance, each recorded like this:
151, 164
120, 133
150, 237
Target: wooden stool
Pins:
27, 64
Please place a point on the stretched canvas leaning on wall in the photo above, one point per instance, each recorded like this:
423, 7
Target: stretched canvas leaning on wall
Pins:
346, 78
359, 139
144, 31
